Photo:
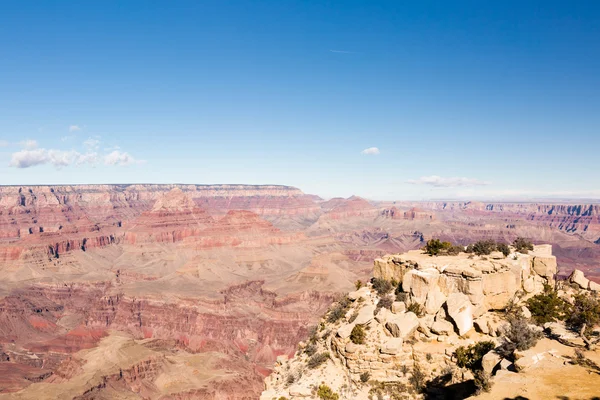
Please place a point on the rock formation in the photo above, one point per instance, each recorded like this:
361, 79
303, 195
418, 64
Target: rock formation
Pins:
466, 293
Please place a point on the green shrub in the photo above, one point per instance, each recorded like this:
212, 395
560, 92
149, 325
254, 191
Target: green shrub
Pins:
436, 247
317, 359
470, 357
339, 310
416, 308
483, 247
401, 296
547, 306
482, 381
358, 335
325, 393
358, 284
518, 336
385, 302
522, 245
365, 376
503, 248
310, 349
417, 378
382, 286
585, 311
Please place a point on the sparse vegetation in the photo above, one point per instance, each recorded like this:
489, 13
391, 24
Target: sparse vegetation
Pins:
470, 357
581, 359
385, 302
353, 316
382, 286
401, 296
326, 393
365, 376
317, 359
339, 310
584, 315
482, 381
416, 308
393, 390
547, 306
435, 247
358, 284
358, 335
417, 378
522, 245
503, 248
518, 336
310, 349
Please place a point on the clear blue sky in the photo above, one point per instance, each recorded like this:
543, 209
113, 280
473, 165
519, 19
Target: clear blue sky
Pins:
479, 99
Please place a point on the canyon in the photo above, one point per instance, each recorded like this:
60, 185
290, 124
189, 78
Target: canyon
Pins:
193, 291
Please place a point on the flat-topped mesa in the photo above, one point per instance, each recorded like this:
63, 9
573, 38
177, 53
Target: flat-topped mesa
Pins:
489, 282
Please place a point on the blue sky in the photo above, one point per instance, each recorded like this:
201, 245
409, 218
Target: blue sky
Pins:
461, 99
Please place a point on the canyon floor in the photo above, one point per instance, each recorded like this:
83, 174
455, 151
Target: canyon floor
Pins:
192, 291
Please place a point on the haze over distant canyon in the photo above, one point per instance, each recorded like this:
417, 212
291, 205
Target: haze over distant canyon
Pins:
192, 291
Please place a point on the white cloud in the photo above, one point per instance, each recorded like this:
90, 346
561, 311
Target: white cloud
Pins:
439, 181
29, 144
91, 144
74, 128
371, 151
4, 143
27, 158
120, 158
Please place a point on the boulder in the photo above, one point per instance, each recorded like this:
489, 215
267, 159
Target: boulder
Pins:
435, 300
594, 286
579, 278
529, 285
505, 364
392, 346
402, 325
363, 292
300, 391
398, 307
527, 358
498, 289
460, 310
420, 282
497, 255
345, 330
389, 268
383, 315
544, 265
490, 361
351, 348
482, 325
365, 315
442, 327
525, 312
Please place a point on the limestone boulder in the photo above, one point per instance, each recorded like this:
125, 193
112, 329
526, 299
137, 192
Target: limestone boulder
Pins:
594, 286
544, 265
435, 300
460, 310
365, 315
300, 391
389, 268
398, 307
420, 282
527, 358
490, 361
382, 315
351, 348
525, 312
442, 327
579, 278
345, 330
363, 292
498, 289
391, 346
402, 325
